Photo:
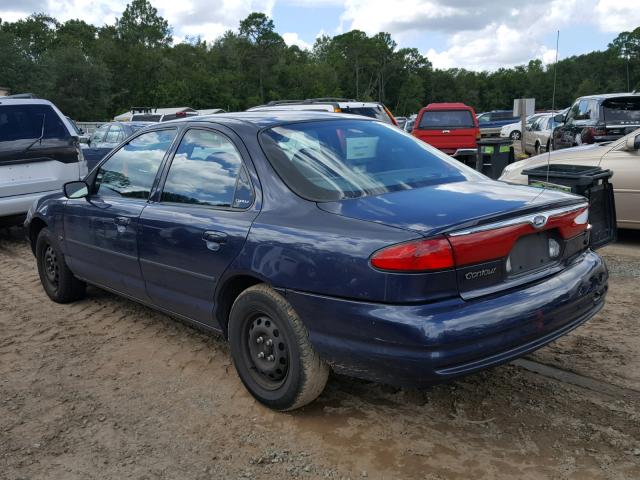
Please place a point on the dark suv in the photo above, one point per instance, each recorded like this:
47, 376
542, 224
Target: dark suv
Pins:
597, 118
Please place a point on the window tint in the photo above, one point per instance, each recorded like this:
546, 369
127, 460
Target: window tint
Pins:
437, 119
22, 122
99, 134
332, 160
204, 171
131, 170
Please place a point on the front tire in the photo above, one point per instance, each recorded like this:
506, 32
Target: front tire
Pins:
515, 135
271, 351
57, 280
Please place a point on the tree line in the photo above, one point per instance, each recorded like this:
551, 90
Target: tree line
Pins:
93, 73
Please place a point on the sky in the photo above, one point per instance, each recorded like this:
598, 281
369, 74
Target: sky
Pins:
472, 34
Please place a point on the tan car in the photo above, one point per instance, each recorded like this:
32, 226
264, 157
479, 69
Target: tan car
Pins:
537, 136
621, 156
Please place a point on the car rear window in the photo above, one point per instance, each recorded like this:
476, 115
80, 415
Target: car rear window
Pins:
25, 122
146, 117
333, 160
372, 112
622, 110
437, 119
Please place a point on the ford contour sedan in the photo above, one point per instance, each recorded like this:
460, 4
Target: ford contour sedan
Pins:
316, 241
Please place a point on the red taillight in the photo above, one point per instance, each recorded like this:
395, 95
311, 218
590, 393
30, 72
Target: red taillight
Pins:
474, 247
416, 256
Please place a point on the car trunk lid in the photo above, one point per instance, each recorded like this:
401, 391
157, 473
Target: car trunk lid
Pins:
501, 236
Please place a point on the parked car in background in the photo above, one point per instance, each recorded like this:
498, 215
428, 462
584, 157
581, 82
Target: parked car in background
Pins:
492, 122
313, 240
375, 110
513, 130
597, 118
82, 136
39, 152
537, 135
401, 121
108, 136
450, 127
621, 156
163, 114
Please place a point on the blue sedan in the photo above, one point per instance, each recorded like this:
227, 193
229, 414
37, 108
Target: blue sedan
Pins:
316, 241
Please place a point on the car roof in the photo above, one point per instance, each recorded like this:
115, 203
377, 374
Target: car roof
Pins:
270, 118
447, 106
604, 96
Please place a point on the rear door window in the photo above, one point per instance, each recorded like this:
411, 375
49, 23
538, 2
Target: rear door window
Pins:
23, 122
207, 170
439, 119
130, 172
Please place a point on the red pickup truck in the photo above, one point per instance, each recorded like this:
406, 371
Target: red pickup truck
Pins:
450, 127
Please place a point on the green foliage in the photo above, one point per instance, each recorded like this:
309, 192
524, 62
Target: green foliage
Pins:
93, 73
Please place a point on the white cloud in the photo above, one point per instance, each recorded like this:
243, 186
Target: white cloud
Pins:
292, 38
479, 34
617, 15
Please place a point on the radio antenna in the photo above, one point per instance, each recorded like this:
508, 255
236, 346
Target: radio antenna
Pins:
553, 103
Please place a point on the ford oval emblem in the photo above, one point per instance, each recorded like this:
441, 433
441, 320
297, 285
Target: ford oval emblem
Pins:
539, 221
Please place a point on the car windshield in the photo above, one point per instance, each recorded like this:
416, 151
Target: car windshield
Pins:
333, 160
622, 110
437, 119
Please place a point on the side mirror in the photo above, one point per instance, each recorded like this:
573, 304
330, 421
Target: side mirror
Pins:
633, 143
76, 189
558, 118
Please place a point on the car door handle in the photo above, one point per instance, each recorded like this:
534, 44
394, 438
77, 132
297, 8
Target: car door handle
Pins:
214, 240
121, 223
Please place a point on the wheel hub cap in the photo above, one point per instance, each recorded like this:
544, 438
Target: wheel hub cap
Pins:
268, 349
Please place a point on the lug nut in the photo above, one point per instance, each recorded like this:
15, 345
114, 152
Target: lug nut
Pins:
271, 358
261, 355
269, 342
259, 340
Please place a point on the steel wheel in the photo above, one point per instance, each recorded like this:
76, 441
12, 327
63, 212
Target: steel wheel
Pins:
266, 352
51, 267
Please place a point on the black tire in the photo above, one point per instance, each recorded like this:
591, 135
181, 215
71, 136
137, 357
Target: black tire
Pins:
285, 374
57, 280
515, 135
536, 148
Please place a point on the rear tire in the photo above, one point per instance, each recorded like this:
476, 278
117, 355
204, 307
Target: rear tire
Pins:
57, 280
271, 351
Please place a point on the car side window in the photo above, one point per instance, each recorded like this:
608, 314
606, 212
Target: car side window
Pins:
130, 172
99, 134
115, 134
584, 110
207, 170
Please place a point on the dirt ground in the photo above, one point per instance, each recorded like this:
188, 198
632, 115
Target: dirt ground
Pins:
105, 388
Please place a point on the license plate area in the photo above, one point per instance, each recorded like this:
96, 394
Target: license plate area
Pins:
533, 252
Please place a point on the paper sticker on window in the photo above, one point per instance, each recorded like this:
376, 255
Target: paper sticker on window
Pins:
361, 147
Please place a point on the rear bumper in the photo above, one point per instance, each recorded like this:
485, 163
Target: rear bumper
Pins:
420, 345
18, 205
